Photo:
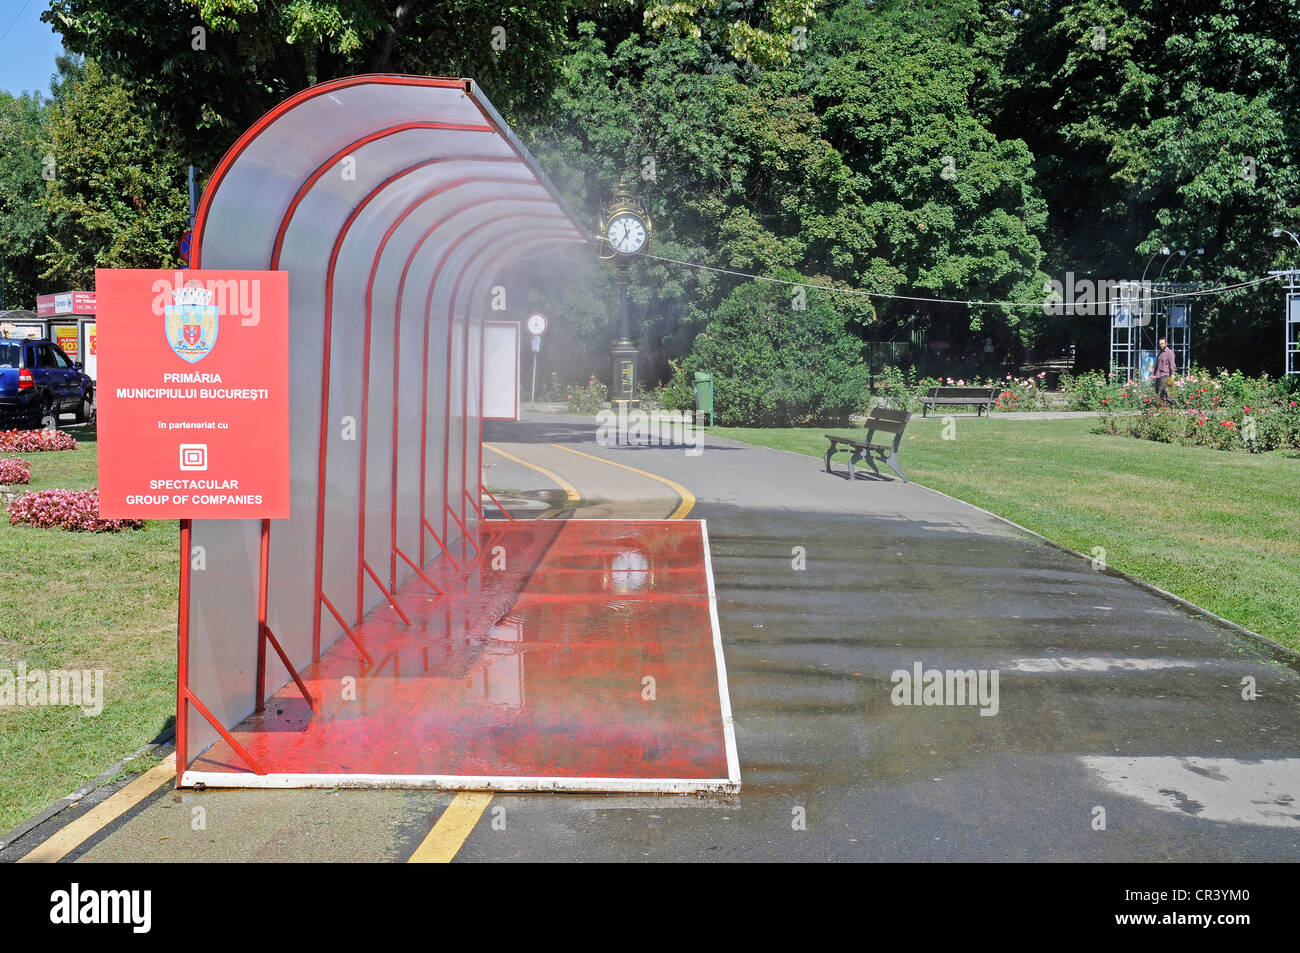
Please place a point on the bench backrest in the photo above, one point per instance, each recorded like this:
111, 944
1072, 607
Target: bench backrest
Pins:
983, 393
888, 420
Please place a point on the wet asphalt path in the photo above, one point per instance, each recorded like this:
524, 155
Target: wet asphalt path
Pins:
1115, 705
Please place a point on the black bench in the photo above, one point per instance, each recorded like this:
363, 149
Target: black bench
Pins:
981, 397
881, 419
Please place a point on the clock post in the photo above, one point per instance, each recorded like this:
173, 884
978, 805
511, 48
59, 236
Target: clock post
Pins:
626, 229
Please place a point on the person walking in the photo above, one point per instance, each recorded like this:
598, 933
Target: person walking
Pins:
1166, 366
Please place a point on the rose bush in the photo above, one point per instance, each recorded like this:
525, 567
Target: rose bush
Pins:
587, 399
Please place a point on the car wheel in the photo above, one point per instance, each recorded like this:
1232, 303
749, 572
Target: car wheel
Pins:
85, 410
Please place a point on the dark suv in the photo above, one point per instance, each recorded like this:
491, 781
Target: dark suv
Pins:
38, 382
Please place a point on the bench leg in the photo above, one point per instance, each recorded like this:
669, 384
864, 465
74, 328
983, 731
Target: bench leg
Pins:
866, 455
892, 462
925, 410
829, 453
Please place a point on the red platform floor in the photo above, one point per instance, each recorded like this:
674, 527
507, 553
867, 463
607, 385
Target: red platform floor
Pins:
591, 662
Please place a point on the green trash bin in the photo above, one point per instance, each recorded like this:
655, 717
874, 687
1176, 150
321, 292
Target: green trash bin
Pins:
703, 399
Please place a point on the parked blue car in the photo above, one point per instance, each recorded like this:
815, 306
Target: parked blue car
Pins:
38, 382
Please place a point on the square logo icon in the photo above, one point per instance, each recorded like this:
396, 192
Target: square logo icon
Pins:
194, 456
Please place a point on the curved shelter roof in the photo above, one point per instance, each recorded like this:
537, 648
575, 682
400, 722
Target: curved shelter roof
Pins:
394, 202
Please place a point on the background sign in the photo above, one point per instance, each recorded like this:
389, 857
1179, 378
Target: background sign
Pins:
193, 395
91, 360
65, 302
66, 336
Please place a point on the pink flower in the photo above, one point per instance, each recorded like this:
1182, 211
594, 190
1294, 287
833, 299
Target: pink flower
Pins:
34, 441
64, 509
14, 471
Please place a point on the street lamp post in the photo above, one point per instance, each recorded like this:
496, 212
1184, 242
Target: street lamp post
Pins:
1279, 232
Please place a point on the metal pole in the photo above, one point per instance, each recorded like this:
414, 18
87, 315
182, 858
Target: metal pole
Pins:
532, 403
192, 197
623, 333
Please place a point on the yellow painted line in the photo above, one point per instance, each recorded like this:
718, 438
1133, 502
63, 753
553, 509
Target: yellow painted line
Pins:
452, 828
688, 498
94, 820
458, 821
570, 491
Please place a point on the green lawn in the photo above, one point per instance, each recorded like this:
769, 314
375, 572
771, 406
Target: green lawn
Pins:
1220, 529
83, 601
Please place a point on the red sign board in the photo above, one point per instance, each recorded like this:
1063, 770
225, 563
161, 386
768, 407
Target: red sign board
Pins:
193, 394
65, 302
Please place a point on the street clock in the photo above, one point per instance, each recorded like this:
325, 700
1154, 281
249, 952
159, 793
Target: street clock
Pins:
626, 228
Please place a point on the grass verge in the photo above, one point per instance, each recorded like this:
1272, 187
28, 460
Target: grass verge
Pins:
98, 601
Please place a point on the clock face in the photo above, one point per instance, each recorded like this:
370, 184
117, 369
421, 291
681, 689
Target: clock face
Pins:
626, 233
536, 324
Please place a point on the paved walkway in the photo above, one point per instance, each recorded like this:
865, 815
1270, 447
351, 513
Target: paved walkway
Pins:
1110, 697
1114, 706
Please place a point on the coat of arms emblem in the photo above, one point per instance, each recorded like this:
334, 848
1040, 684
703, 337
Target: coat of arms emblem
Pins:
191, 323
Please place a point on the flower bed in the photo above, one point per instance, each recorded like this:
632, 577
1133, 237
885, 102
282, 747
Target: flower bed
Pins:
65, 509
1224, 411
35, 441
14, 471
896, 388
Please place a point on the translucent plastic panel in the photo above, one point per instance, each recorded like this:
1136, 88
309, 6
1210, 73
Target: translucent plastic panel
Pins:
376, 194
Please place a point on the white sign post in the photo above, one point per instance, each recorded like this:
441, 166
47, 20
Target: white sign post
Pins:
536, 327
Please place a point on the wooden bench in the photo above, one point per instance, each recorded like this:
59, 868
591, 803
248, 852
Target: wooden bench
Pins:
980, 397
881, 419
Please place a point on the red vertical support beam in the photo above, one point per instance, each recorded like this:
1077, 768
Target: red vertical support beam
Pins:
183, 658
464, 417
262, 588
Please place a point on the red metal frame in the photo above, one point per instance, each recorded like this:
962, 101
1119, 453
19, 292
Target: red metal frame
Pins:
504, 511
424, 423
185, 696
451, 320
365, 358
418, 572
487, 247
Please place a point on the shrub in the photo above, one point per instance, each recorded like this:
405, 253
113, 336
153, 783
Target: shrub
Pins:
897, 388
587, 398
14, 471
774, 365
65, 509
34, 441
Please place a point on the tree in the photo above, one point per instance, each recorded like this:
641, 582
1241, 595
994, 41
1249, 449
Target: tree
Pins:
949, 209
117, 196
22, 219
205, 70
1170, 125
